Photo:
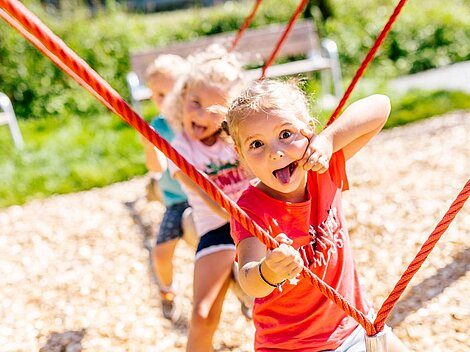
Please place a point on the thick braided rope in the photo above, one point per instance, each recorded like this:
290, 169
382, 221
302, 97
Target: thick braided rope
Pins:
423, 253
294, 17
245, 24
53, 46
49, 43
369, 57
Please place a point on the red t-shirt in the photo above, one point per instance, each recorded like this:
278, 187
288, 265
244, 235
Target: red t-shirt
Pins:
301, 318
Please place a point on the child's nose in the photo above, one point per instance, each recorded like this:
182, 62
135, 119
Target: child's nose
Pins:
277, 154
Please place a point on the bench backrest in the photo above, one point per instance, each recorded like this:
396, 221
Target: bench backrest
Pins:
256, 45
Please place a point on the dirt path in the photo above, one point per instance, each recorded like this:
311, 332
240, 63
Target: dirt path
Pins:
76, 265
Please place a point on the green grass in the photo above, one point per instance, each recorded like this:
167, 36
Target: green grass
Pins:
418, 105
72, 154
67, 155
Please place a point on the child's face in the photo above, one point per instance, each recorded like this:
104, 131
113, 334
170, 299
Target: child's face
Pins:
271, 145
160, 85
198, 122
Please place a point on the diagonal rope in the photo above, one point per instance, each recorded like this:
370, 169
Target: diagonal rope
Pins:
289, 26
245, 24
369, 57
11, 21
67, 60
56, 48
423, 253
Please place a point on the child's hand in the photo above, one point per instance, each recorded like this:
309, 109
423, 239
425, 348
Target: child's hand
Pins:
318, 153
285, 262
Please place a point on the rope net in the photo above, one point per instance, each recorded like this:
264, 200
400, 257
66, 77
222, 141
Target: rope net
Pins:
20, 18
245, 24
284, 35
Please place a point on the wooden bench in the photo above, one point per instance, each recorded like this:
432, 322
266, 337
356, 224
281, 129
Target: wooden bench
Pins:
257, 45
8, 117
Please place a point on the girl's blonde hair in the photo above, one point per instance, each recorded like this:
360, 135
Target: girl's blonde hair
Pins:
170, 65
268, 96
214, 67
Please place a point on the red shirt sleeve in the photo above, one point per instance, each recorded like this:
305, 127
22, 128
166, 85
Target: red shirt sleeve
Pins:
247, 200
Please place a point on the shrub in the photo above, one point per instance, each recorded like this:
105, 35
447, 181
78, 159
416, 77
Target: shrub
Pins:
37, 87
425, 35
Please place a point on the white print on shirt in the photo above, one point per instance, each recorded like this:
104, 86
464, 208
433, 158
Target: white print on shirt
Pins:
326, 239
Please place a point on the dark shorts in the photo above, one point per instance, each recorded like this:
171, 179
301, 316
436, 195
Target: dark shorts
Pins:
171, 227
214, 241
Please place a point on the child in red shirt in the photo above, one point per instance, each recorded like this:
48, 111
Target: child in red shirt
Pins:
298, 200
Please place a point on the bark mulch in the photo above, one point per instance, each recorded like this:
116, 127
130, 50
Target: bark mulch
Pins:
74, 272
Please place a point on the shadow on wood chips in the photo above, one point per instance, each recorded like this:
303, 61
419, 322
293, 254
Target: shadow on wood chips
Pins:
431, 287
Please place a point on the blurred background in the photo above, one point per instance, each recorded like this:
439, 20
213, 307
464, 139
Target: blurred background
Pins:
73, 143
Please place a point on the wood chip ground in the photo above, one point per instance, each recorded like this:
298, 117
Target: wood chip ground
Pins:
74, 272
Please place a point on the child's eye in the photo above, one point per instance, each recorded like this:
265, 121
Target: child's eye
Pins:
285, 134
196, 103
256, 144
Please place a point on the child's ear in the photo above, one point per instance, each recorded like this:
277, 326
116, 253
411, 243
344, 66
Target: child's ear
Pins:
240, 155
237, 150
243, 163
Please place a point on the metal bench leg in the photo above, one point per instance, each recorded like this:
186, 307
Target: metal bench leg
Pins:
15, 132
331, 50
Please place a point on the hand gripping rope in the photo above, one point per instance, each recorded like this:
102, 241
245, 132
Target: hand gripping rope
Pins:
20, 18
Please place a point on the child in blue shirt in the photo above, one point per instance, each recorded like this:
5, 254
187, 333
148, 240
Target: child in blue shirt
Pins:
161, 75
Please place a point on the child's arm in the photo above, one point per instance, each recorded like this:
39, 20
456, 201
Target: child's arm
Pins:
350, 132
356, 126
275, 266
214, 206
154, 159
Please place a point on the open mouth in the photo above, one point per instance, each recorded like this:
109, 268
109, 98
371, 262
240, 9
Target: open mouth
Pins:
198, 129
283, 175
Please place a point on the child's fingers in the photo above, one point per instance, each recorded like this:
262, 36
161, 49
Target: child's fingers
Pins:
310, 135
307, 133
282, 238
311, 160
322, 165
282, 256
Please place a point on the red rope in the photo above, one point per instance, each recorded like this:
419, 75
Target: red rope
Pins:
56, 49
294, 17
369, 57
245, 24
423, 253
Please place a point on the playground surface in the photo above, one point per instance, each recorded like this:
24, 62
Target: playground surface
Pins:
74, 270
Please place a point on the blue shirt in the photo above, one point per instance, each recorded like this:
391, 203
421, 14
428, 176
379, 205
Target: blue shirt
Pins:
170, 188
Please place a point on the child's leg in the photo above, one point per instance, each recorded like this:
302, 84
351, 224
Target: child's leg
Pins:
211, 281
163, 262
189, 228
212, 272
394, 344
162, 254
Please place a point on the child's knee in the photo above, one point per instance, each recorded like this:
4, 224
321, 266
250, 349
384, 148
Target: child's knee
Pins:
202, 317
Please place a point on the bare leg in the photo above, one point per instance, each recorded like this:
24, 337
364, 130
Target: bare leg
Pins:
189, 228
163, 262
394, 344
211, 281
